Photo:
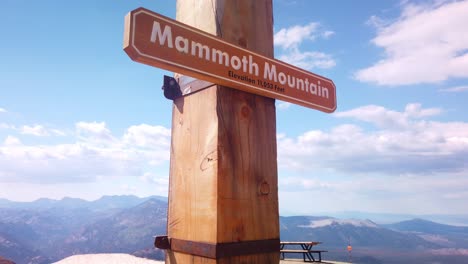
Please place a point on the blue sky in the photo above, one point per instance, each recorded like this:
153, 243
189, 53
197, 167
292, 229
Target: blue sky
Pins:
78, 118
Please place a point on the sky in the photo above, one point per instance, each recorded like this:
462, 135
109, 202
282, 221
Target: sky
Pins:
79, 119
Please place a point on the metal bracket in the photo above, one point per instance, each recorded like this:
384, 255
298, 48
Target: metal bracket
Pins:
182, 85
218, 250
171, 88
162, 242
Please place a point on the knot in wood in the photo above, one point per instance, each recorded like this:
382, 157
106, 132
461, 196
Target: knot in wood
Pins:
245, 111
264, 188
242, 42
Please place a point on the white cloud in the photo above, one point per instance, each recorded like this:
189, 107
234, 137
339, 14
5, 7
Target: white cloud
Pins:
297, 183
6, 126
308, 59
96, 132
11, 141
149, 177
384, 118
92, 128
283, 105
128, 188
456, 89
148, 136
2, 110
290, 39
377, 22
327, 34
456, 195
428, 43
295, 35
407, 184
58, 132
94, 153
415, 111
158, 183
64, 163
154, 138
402, 142
287, 2
36, 130
402, 193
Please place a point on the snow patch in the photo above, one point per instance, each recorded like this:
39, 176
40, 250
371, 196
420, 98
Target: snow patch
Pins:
434, 238
450, 251
106, 259
333, 221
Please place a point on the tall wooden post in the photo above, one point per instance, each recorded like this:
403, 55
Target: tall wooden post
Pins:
223, 175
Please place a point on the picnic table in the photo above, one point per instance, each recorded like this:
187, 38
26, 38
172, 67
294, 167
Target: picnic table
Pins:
305, 249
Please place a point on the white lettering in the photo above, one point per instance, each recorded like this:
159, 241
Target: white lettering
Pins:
270, 73
313, 88
291, 81
244, 64
325, 92
282, 78
236, 63
181, 40
201, 48
222, 56
166, 35
300, 84
319, 89
253, 66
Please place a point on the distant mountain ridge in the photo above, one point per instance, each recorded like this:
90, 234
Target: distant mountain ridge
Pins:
425, 226
47, 230
128, 231
105, 202
388, 218
38, 232
445, 235
337, 233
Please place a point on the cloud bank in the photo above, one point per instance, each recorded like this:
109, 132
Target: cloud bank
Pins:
95, 152
428, 43
404, 142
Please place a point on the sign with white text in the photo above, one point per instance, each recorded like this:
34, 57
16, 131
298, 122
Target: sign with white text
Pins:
162, 42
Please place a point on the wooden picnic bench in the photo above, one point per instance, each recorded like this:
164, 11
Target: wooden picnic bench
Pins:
306, 250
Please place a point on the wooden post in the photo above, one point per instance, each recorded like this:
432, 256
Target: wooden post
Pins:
223, 172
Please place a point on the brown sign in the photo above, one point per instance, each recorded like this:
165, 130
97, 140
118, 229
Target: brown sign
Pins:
162, 42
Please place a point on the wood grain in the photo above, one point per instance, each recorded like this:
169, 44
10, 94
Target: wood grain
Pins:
223, 173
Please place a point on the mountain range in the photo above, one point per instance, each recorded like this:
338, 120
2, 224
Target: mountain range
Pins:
48, 230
